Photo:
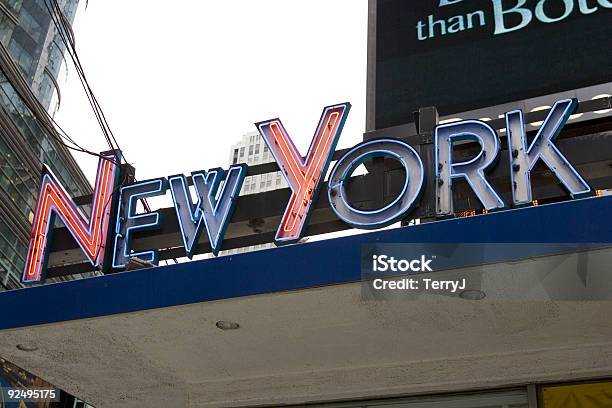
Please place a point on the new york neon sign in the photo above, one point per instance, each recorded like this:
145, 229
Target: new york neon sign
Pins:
215, 196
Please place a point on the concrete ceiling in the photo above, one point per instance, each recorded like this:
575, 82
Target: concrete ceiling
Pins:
315, 345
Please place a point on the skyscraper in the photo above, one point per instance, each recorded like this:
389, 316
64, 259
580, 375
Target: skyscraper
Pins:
31, 54
28, 32
252, 150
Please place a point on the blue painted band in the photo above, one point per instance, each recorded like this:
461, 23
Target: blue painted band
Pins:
293, 267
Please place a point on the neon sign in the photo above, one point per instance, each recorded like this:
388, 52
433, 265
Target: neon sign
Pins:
208, 211
472, 170
304, 175
54, 200
405, 201
128, 221
523, 158
216, 191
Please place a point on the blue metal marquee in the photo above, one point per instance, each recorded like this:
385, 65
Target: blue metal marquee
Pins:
294, 267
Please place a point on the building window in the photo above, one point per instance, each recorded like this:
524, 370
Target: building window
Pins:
250, 150
504, 399
15, 181
241, 152
257, 148
23, 58
30, 25
6, 29
13, 5
38, 139
12, 251
48, 94
235, 158
70, 9
56, 57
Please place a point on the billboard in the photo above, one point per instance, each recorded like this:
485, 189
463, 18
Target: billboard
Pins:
460, 55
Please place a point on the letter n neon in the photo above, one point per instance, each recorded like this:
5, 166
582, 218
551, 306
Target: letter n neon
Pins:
304, 175
54, 200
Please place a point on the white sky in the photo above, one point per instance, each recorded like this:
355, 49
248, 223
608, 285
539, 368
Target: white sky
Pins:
181, 81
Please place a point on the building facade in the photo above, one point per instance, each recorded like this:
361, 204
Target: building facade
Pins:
252, 150
31, 55
28, 32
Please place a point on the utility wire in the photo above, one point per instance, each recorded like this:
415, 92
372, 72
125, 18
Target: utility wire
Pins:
40, 114
67, 38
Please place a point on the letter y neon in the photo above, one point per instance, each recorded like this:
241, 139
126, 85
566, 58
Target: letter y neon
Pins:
304, 175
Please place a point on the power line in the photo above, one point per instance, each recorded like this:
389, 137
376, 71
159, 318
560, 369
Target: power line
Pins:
40, 114
67, 38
